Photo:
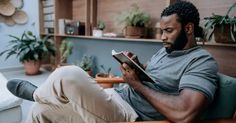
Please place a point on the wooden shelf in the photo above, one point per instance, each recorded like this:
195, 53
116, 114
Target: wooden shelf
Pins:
217, 44
109, 38
45, 34
138, 40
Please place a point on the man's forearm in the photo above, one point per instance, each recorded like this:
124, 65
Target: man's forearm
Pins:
174, 107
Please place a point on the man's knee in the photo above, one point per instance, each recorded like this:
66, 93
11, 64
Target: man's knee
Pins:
71, 71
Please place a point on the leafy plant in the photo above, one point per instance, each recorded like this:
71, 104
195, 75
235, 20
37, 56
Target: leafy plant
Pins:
133, 17
106, 71
65, 50
29, 47
101, 25
220, 20
86, 63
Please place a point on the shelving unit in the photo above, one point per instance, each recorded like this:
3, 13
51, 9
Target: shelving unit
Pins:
90, 11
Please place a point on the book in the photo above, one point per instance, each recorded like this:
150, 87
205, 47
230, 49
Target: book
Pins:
122, 58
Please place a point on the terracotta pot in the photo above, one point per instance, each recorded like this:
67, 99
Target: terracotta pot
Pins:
90, 72
103, 75
222, 34
31, 67
134, 32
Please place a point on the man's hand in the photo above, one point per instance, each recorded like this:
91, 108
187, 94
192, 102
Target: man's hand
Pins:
130, 76
133, 57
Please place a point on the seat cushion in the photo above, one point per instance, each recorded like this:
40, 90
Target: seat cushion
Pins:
8, 100
12, 115
224, 104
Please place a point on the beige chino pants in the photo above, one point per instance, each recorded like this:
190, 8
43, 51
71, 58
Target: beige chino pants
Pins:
70, 95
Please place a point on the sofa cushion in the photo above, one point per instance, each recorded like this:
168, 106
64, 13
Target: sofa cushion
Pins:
224, 104
8, 100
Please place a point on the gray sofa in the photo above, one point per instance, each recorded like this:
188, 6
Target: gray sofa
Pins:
10, 109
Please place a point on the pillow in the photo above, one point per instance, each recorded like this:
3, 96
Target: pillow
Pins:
7, 100
224, 104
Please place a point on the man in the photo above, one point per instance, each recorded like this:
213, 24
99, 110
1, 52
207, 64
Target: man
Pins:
185, 76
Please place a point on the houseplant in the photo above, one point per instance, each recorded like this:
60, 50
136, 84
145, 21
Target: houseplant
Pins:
135, 22
98, 30
105, 73
223, 27
86, 64
65, 50
30, 50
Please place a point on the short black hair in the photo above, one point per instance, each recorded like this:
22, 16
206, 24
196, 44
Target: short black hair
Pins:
186, 12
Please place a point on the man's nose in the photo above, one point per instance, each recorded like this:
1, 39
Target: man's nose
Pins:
163, 37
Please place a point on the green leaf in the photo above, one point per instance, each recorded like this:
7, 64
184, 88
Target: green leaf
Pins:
36, 56
15, 37
10, 54
3, 52
232, 33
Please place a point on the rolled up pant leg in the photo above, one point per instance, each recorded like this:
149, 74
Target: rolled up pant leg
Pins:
48, 113
70, 84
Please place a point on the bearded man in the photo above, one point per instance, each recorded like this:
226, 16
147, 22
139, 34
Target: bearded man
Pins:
185, 82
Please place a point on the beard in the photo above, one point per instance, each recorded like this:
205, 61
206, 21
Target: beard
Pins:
179, 43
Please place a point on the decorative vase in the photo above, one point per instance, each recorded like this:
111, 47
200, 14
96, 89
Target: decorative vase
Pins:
104, 75
97, 33
222, 34
134, 32
31, 67
90, 73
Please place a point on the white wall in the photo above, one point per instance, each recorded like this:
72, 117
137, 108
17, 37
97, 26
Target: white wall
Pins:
31, 8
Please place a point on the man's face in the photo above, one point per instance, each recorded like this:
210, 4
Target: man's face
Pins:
173, 35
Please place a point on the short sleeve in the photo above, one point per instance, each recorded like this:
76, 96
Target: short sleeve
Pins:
201, 75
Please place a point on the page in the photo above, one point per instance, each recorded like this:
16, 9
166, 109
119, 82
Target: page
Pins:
122, 58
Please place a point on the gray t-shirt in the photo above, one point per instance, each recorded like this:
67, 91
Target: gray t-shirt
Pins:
193, 68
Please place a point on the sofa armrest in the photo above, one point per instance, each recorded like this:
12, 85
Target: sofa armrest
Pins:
210, 121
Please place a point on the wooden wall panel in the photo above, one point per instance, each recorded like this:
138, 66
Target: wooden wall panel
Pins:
225, 57
107, 9
207, 7
78, 11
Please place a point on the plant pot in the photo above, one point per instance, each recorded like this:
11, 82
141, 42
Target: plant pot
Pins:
222, 34
31, 67
90, 72
97, 33
103, 75
134, 32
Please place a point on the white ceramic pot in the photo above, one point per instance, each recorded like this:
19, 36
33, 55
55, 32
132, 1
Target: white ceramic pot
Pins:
97, 33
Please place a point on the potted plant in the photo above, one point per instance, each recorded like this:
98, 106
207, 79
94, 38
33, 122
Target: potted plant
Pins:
86, 64
223, 27
135, 22
65, 50
98, 30
30, 50
105, 73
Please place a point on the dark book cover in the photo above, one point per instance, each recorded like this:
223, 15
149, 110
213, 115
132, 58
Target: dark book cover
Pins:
122, 58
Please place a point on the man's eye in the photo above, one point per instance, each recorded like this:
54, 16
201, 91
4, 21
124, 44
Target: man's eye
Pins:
169, 30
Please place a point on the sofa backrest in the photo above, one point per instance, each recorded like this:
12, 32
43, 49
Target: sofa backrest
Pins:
224, 104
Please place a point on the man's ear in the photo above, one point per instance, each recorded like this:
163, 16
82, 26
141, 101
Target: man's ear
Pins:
189, 28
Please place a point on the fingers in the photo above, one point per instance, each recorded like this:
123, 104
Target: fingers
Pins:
125, 68
129, 54
133, 57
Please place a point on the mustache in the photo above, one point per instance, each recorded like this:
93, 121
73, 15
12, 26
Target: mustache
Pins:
167, 43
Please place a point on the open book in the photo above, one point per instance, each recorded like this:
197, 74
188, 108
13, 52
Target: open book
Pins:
122, 58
